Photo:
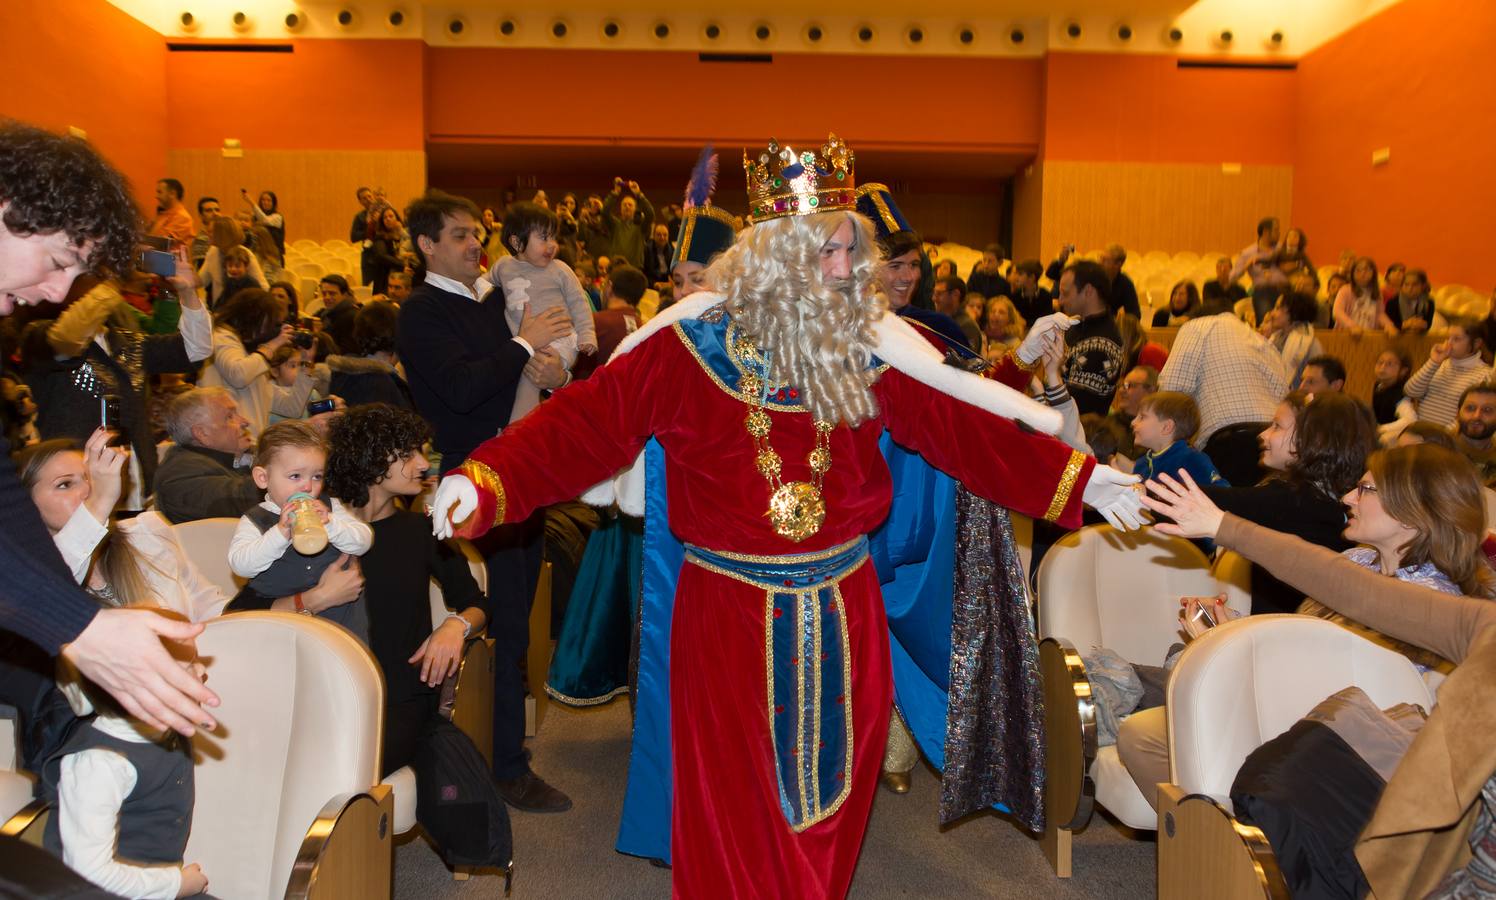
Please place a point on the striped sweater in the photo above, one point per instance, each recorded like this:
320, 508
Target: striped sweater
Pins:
1436, 387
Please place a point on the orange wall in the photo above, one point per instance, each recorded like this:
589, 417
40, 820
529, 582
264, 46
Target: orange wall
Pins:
796, 97
1101, 107
86, 64
325, 95
1417, 78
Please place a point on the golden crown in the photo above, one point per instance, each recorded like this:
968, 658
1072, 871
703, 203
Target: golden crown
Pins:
782, 182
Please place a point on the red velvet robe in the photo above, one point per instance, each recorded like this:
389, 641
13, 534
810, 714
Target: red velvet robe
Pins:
730, 838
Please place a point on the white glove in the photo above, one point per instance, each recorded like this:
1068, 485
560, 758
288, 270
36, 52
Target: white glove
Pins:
1044, 334
455, 500
1112, 494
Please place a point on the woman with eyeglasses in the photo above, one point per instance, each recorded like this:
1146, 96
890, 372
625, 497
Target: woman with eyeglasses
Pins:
1432, 831
1418, 516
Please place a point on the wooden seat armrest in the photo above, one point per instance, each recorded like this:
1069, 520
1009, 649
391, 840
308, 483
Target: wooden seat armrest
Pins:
1069, 748
348, 852
1204, 850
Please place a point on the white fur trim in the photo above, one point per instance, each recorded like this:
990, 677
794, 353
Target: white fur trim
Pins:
905, 349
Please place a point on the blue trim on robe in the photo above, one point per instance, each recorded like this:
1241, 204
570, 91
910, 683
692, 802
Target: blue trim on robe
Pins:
644, 827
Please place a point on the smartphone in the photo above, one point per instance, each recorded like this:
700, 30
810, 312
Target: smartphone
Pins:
1204, 616
109, 412
158, 262
318, 407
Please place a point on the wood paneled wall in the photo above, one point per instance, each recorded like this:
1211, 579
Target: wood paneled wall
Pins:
1028, 211
316, 188
1154, 206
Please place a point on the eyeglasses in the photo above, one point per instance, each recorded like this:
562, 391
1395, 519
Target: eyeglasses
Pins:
1363, 489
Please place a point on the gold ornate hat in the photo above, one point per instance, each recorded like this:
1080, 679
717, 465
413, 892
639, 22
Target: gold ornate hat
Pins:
782, 182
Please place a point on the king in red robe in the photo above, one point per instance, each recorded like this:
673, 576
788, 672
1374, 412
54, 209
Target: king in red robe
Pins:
779, 661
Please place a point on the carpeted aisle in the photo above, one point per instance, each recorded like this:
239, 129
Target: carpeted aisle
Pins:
906, 854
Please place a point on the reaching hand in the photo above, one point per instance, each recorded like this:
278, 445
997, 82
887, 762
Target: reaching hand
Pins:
121, 651
106, 467
1112, 493
1439, 352
1047, 332
440, 653
282, 338
456, 498
1194, 515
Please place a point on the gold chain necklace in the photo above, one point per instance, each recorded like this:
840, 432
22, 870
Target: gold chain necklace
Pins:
796, 508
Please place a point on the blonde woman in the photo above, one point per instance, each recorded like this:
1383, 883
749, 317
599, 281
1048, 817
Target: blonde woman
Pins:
1003, 327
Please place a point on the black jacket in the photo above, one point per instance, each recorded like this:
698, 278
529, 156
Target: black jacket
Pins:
197, 483
463, 364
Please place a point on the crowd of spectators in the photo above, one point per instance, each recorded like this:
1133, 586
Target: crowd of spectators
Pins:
148, 401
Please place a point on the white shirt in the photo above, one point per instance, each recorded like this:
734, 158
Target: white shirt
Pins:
247, 376
91, 788
251, 551
174, 580
453, 286
1234, 373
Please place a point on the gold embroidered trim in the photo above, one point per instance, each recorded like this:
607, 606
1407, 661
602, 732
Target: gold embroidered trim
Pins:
827, 812
810, 556
717, 380
588, 701
487, 479
801, 760
1066, 486
1034, 368
874, 192
695, 560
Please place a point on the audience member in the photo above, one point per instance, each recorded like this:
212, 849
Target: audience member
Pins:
287, 364
1165, 422
1290, 329
358, 235
1322, 374
199, 476
534, 281
272, 261
1104, 436
339, 308
1003, 327
949, 297
1094, 359
388, 235
618, 318
944, 268
290, 463
98, 356
628, 217
464, 363
1236, 379
986, 277
172, 220
566, 223
369, 373
249, 329
1392, 281
1224, 291
236, 278
1184, 304
1453, 364
1413, 309
399, 287
207, 211
1292, 260
1122, 294
1425, 433
593, 233
1032, 301
1259, 262
1136, 386
286, 293
657, 257
66, 212
228, 238
1391, 373
1358, 306
1475, 424
266, 210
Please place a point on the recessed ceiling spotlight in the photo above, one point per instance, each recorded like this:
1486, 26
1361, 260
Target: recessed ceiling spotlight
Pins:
241, 21
865, 34
187, 21
1174, 35
1016, 37
395, 19
1124, 32
559, 29
295, 20
914, 35
814, 33
346, 18
711, 31
508, 27
662, 30
1073, 30
763, 31
611, 29
966, 36
457, 27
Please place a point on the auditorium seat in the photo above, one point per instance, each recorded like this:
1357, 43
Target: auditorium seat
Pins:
1236, 687
206, 542
1099, 587
305, 245
336, 244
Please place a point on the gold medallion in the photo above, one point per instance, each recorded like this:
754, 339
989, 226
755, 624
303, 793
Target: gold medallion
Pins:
796, 509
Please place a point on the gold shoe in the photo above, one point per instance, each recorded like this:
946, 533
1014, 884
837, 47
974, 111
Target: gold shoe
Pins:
898, 782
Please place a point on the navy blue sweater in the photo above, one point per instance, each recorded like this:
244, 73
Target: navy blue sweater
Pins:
463, 364
38, 598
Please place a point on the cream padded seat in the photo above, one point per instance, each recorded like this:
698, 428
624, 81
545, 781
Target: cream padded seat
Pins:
299, 734
1248, 681
1099, 587
206, 542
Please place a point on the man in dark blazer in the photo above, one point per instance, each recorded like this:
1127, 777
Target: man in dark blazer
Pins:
464, 363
